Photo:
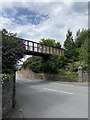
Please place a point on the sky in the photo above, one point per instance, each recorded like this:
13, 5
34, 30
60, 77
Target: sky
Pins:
37, 20
47, 19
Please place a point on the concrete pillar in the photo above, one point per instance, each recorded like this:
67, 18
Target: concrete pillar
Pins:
80, 74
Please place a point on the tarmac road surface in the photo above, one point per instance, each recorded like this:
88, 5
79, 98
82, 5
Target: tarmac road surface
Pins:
47, 99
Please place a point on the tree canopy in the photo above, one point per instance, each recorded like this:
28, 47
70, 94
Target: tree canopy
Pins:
81, 36
12, 51
77, 49
50, 42
82, 46
70, 47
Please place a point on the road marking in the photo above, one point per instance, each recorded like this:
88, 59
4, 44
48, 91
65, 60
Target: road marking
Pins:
61, 84
48, 89
58, 91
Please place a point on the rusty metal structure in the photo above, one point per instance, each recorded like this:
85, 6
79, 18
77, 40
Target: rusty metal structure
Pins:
37, 49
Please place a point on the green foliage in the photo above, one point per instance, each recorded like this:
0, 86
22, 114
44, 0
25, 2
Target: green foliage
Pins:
47, 42
7, 77
62, 62
12, 51
68, 74
82, 46
80, 37
50, 42
77, 50
69, 45
34, 63
84, 51
51, 65
81, 42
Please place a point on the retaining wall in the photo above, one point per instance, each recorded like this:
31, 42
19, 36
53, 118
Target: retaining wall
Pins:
37, 76
7, 94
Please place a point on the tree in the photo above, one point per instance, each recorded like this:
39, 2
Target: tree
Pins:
80, 37
82, 45
62, 62
70, 48
12, 51
50, 42
51, 65
34, 63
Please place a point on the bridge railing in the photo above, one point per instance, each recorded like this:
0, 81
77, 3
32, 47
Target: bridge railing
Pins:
37, 47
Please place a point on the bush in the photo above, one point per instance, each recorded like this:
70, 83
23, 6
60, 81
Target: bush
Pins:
12, 50
68, 73
7, 77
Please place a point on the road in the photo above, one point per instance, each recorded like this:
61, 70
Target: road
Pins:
47, 99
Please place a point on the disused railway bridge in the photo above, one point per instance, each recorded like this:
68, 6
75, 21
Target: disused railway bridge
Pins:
34, 48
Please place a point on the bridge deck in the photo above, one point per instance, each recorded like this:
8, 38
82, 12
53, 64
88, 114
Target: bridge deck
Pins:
34, 48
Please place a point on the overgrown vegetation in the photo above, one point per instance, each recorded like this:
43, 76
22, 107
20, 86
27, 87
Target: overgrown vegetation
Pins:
12, 51
7, 77
77, 53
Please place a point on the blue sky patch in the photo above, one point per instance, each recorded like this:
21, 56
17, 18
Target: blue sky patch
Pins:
24, 16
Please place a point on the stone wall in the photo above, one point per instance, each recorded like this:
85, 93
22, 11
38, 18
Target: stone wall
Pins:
7, 94
86, 76
58, 78
37, 76
31, 75
83, 75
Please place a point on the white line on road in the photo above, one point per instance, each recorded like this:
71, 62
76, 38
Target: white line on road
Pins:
58, 91
61, 84
47, 89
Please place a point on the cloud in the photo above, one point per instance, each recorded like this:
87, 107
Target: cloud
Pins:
79, 7
44, 20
